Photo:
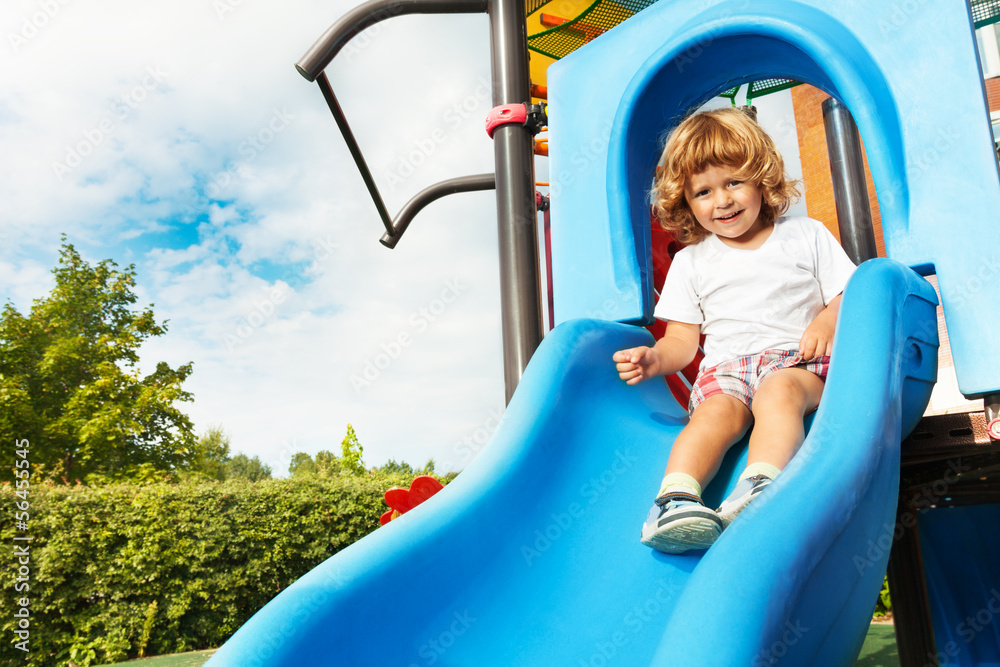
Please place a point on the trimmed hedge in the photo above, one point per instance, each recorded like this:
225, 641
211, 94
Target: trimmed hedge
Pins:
125, 570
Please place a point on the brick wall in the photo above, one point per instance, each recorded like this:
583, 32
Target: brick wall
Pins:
818, 184
993, 93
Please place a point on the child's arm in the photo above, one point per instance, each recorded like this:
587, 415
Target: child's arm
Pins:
818, 337
670, 354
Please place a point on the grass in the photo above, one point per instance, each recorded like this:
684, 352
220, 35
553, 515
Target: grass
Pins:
879, 650
880, 647
192, 659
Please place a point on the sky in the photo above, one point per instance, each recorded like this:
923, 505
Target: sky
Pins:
178, 137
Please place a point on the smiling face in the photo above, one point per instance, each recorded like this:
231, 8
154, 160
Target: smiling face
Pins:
727, 207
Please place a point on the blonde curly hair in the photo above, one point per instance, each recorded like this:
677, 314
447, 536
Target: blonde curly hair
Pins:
718, 138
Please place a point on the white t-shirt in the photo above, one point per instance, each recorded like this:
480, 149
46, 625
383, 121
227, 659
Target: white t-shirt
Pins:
747, 301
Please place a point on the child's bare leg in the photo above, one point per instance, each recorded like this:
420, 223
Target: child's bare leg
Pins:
783, 399
715, 425
679, 520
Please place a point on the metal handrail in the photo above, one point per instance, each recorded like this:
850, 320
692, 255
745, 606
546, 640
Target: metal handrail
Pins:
368, 14
517, 238
433, 193
323, 51
352, 145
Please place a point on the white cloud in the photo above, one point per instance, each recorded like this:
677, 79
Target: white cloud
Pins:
154, 110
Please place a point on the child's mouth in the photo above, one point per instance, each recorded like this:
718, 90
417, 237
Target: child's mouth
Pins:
729, 218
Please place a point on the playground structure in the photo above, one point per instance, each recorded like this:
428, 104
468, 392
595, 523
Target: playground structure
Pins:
531, 555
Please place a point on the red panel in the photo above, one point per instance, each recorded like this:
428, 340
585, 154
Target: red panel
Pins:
664, 247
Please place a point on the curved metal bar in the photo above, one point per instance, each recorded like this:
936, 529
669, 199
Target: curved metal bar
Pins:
432, 193
368, 14
352, 145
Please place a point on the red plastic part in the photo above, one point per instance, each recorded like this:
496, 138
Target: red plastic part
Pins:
993, 429
664, 247
403, 500
504, 114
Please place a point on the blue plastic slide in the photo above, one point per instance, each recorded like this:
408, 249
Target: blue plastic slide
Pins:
532, 555
960, 548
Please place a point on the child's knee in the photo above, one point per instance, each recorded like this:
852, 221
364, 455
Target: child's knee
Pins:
722, 411
789, 389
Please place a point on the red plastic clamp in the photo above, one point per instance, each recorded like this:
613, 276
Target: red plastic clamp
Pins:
541, 201
503, 114
993, 429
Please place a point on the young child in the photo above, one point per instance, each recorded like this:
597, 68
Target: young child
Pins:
763, 289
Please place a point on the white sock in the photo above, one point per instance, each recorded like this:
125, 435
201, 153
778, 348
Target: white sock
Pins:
760, 468
679, 482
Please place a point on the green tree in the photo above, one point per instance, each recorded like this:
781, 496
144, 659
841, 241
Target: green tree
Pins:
301, 465
393, 467
242, 466
327, 463
351, 452
211, 454
70, 383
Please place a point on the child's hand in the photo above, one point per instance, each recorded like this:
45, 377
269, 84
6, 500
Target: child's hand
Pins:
636, 364
816, 341
818, 337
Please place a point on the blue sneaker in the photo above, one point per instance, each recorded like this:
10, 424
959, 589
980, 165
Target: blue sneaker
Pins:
745, 491
679, 522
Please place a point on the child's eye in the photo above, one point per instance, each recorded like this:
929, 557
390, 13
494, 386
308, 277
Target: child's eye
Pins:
735, 183
701, 193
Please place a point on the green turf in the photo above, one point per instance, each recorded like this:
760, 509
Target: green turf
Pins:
879, 651
880, 647
192, 659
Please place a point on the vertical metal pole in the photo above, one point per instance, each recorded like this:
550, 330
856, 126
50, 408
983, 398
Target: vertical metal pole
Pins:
910, 602
850, 190
515, 174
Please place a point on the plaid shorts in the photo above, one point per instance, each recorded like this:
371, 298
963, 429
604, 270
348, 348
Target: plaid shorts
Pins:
741, 377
